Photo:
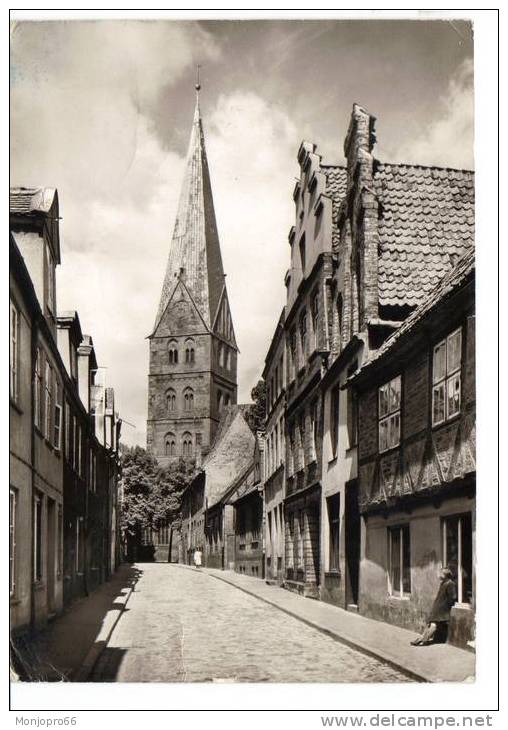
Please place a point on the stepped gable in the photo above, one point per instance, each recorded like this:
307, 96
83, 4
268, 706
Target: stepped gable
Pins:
336, 188
453, 280
194, 254
426, 222
231, 453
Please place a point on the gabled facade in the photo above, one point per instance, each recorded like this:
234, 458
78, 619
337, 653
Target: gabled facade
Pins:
193, 351
207, 519
417, 469
307, 326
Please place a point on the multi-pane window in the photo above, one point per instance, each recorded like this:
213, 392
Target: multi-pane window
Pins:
50, 280
171, 400
446, 367
170, 445
334, 419
57, 422
173, 353
38, 389
292, 353
14, 352
399, 560
188, 399
315, 319
333, 505
12, 539
389, 414
37, 536
301, 441
48, 401
67, 429
458, 553
303, 335
187, 445
313, 430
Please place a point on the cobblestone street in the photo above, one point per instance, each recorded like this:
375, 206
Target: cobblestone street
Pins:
186, 626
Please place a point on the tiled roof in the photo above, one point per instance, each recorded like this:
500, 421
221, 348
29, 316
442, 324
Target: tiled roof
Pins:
31, 200
448, 284
231, 454
426, 221
336, 187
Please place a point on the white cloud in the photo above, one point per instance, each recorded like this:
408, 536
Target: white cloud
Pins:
447, 141
252, 151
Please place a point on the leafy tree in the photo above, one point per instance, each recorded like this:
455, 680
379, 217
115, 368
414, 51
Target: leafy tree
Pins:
151, 494
256, 414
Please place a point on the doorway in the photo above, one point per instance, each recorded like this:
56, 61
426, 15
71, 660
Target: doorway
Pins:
352, 539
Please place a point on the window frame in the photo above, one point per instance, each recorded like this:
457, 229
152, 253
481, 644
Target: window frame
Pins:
38, 412
333, 514
445, 520
401, 529
14, 351
444, 380
48, 401
13, 509
388, 417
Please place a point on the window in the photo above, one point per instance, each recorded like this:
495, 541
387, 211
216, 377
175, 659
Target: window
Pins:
302, 253
352, 409
291, 450
59, 538
333, 506
276, 445
67, 424
389, 414
37, 536
50, 280
301, 441
78, 465
315, 319
340, 309
13, 499
38, 389
73, 442
446, 366
170, 445
292, 354
57, 424
48, 405
173, 353
399, 559
334, 419
189, 351
458, 553
187, 445
219, 353
171, 400
188, 399
219, 400
226, 399
300, 527
14, 352
303, 335
313, 430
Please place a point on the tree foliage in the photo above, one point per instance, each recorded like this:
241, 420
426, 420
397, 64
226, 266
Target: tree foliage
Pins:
256, 414
151, 494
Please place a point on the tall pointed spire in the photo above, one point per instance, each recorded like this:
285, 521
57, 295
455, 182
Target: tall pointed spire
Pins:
194, 254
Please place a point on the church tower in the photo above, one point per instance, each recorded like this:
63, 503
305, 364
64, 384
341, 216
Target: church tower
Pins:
193, 352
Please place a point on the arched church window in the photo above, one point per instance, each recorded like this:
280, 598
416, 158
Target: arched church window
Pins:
189, 351
171, 399
170, 444
173, 353
188, 399
187, 445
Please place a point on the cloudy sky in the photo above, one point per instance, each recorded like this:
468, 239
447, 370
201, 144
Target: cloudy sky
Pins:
102, 111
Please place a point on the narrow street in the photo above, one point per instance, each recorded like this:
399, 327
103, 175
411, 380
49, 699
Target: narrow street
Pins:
182, 625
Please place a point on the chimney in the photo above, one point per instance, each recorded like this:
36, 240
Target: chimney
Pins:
86, 363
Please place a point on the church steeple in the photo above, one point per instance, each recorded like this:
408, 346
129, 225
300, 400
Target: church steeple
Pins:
193, 353
194, 254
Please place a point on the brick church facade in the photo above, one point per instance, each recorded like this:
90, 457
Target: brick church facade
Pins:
193, 353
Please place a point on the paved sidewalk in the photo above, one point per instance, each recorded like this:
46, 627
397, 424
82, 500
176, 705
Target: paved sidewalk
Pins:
70, 645
436, 663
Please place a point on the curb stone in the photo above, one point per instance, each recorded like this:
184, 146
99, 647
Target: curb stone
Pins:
94, 653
